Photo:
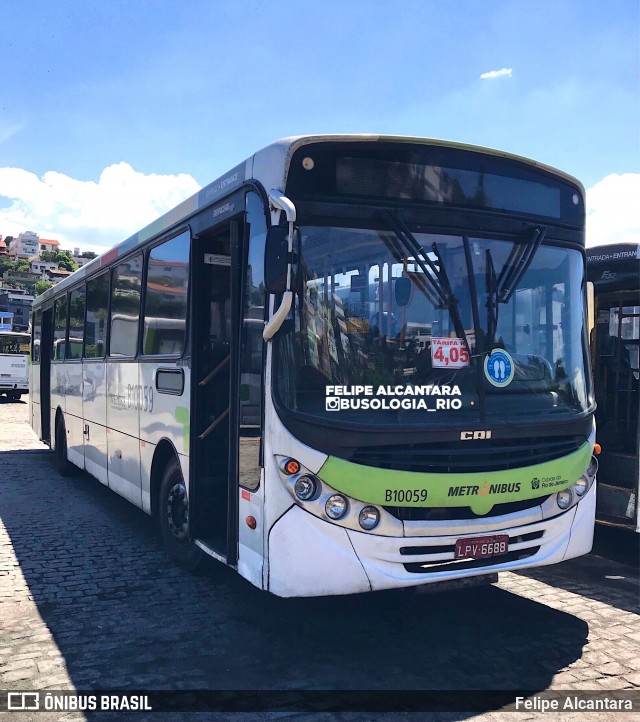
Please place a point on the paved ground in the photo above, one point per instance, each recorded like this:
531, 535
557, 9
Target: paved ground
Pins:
89, 600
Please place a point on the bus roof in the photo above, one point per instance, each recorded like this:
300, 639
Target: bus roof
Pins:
269, 165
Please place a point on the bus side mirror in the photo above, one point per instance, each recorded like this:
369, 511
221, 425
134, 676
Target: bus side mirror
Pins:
277, 260
402, 291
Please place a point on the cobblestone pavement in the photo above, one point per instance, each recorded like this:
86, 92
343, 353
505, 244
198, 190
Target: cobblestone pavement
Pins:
89, 600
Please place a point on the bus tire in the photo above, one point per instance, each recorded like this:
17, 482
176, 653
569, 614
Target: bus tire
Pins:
14, 395
64, 466
173, 517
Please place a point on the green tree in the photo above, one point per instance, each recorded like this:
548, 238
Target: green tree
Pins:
21, 266
65, 260
42, 286
89, 254
47, 256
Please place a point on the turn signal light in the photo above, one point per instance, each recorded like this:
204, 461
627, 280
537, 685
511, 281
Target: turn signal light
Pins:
597, 449
291, 467
251, 522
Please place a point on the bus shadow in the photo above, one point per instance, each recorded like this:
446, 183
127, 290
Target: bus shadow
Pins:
123, 617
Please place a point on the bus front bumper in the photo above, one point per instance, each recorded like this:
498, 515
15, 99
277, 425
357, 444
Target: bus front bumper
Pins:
312, 557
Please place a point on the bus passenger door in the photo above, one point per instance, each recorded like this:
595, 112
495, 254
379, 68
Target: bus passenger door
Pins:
213, 353
45, 374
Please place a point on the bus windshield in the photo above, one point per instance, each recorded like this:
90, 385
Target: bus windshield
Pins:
14, 343
394, 317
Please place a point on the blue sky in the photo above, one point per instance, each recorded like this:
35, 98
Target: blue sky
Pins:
167, 95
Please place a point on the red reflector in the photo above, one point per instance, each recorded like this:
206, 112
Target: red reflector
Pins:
246, 495
251, 522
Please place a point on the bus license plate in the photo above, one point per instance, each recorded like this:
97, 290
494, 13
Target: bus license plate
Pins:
480, 547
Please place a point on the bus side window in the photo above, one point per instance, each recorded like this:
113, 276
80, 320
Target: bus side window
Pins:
165, 313
59, 328
97, 309
125, 307
37, 337
76, 323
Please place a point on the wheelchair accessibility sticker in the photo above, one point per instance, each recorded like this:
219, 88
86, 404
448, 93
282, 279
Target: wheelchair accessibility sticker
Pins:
499, 368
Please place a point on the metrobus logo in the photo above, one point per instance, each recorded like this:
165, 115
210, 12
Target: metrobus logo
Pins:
484, 490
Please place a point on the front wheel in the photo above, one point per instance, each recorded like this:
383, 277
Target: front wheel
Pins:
173, 513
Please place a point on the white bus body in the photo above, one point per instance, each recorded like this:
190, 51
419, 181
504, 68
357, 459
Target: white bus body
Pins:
255, 452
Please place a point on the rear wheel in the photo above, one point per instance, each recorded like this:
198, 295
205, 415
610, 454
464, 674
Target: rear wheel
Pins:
64, 466
173, 513
14, 395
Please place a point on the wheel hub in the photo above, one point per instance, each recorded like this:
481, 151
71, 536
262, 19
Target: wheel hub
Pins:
178, 512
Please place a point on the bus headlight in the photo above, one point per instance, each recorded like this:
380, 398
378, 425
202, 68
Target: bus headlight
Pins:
336, 506
564, 499
305, 487
369, 518
581, 486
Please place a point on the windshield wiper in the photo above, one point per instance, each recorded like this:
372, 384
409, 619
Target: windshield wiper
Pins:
518, 264
492, 300
435, 274
501, 289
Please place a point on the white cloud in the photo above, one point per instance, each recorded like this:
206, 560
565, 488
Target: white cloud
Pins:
94, 216
612, 210
497, 74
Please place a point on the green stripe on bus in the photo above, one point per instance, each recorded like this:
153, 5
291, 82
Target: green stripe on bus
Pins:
478, 490
182, 417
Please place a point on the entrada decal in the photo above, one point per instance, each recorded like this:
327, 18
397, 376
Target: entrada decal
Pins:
392, 398
484, 490
499, 368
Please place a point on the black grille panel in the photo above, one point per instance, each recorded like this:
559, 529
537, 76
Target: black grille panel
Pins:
457, 457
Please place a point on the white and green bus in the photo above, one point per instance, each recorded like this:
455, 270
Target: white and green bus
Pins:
351, 363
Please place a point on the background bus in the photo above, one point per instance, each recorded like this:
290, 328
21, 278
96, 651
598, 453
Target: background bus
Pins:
14, 364
614, 271
351, 363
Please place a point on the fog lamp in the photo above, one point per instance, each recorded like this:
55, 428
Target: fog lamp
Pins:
336, 506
